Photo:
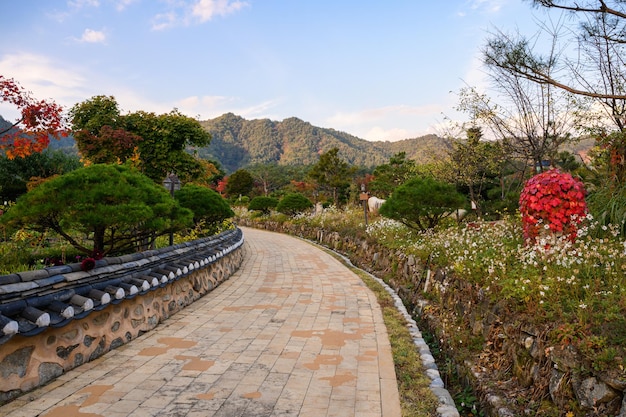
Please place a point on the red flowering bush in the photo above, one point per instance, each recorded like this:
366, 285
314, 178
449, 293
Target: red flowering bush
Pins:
553, 203
88, 264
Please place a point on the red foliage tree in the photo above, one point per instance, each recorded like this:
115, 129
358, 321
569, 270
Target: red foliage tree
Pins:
552, 202
39, 120
109, 146
221, 186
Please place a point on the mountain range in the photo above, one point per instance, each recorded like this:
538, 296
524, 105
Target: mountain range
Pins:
237, 143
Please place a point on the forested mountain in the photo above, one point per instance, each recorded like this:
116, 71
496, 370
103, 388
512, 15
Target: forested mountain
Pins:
238, 142
4, 124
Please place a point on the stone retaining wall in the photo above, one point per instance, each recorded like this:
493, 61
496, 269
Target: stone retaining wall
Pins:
515, 369
172, 279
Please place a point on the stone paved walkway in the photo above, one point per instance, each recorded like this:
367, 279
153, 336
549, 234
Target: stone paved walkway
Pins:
292, 333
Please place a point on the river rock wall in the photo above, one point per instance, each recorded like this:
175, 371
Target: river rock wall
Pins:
508, 361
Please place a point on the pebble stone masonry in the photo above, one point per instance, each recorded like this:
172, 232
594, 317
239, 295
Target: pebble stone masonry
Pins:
60, 317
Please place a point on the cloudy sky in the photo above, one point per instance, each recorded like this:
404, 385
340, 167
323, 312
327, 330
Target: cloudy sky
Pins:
380, 70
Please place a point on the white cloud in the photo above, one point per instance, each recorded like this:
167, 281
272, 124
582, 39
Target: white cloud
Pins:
182, 13
206, 9
209, 107
489, 6
377, 133
93, 36
164, 20
44, 78
78, 4
381, 113
379, 124
122, 4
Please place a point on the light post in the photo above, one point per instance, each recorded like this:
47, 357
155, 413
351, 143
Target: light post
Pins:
171, 183
364, 197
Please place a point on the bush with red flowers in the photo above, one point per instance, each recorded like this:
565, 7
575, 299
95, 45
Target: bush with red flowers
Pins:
552, 204
88, 264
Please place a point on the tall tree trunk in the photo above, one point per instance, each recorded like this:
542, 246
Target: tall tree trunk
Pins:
98, 240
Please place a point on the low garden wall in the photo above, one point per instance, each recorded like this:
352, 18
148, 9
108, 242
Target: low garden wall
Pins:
58, 318
507, 360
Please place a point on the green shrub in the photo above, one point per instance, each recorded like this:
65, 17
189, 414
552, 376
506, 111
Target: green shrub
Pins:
293, 203
421, 203
607, 204
207, 205
263, 204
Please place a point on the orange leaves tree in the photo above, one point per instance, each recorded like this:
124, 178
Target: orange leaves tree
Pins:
39, 120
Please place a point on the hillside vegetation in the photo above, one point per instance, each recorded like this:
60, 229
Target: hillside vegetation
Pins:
237, 142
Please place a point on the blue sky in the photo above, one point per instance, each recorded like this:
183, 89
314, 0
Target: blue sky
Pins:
380, 70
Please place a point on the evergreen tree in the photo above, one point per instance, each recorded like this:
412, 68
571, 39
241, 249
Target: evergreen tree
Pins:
332, 174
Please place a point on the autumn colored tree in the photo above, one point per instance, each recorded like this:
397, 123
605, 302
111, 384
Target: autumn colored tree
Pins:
157, 143
39, 121
100, 137
552, 202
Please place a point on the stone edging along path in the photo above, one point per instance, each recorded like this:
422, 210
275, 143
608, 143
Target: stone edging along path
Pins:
447, 407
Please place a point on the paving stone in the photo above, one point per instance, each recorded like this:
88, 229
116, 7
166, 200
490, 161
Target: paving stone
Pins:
292, 333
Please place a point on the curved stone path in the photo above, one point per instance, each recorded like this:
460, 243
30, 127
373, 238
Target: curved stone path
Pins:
292, 333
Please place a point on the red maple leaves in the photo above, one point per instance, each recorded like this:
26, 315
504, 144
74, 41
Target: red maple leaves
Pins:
553, 202
39, 120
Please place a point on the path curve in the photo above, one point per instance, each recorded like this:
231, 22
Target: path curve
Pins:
292, 333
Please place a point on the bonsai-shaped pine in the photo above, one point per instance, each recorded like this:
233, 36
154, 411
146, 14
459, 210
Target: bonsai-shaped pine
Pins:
207, 205
120, 209
293, 203
263, 204
421, 203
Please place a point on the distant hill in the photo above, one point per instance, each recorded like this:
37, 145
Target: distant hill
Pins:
238, 142
4, 124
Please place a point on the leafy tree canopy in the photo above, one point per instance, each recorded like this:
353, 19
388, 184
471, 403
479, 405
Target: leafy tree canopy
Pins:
165, 139
332, 174
263, 204
16, 174
206, 204
293, 203
240, 183
421, 203
158, 143
270, 178
118, 207
389, 176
